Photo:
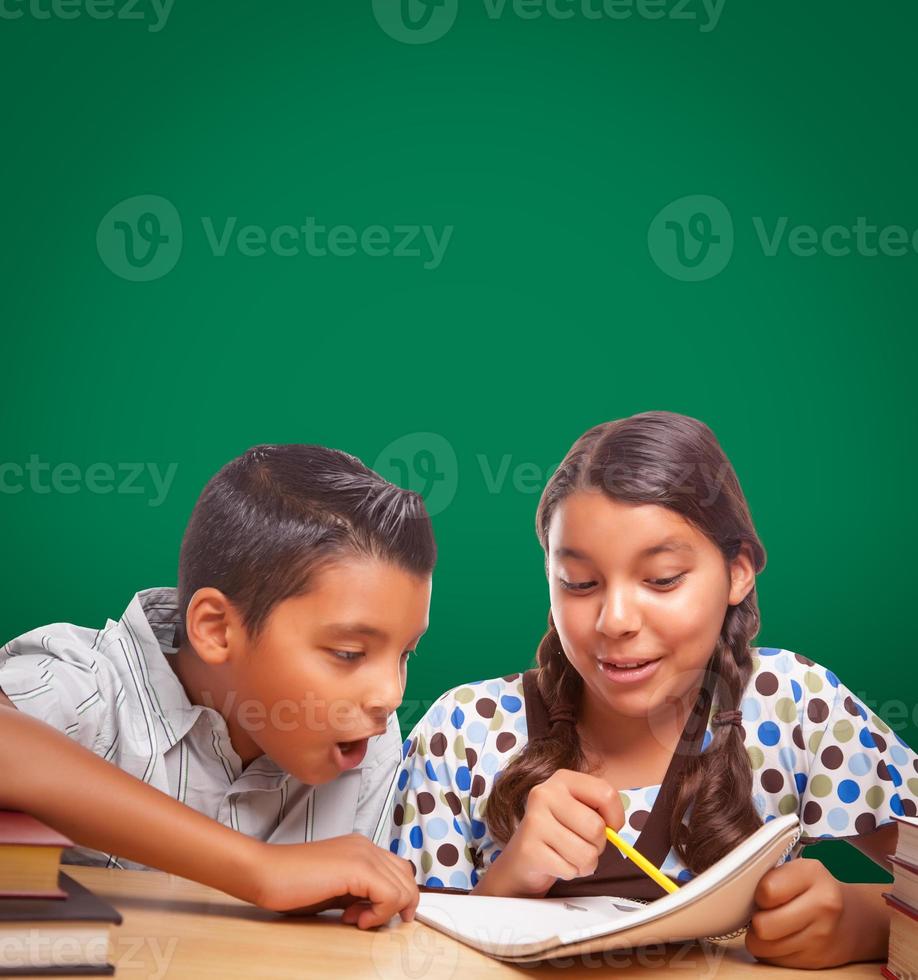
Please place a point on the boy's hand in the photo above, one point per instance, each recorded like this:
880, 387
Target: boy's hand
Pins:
562, 835
348, 872
100, 806
801, 919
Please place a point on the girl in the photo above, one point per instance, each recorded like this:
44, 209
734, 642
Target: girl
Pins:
647, 684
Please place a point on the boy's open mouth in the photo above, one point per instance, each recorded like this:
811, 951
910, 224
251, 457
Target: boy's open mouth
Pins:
350, 754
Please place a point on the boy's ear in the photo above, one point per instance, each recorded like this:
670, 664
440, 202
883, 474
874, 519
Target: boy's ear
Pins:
209, 623
742, 576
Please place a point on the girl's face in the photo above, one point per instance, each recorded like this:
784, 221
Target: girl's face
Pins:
637, 584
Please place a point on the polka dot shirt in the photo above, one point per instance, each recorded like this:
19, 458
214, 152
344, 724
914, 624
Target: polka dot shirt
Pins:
814, 748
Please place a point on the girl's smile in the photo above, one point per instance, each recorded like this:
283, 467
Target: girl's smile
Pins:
638, 596
628, 673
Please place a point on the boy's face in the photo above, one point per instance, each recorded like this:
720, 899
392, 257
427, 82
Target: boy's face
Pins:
615, 603
328, 667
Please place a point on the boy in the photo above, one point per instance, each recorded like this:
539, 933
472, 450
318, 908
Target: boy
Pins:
241, 730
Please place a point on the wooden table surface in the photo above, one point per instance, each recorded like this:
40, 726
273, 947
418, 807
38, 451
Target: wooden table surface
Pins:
180, 930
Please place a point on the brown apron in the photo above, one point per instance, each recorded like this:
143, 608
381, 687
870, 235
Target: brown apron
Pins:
615, 874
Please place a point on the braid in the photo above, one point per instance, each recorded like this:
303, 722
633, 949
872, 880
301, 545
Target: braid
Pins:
716, 784
560, 686
671, 461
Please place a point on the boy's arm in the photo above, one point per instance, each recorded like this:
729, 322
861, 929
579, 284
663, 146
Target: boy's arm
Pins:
48, 775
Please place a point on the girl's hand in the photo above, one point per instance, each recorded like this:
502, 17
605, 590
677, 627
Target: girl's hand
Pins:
801, 921
561, 835
370, 884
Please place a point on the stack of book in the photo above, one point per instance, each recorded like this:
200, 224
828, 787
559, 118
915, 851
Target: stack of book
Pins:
49, 924
903, 930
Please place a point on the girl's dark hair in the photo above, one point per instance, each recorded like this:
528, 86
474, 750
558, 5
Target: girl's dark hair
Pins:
676, 462
268, 520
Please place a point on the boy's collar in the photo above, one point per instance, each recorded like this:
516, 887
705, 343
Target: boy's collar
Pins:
150, 620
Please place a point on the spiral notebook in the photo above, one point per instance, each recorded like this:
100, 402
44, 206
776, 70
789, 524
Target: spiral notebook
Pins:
717, 904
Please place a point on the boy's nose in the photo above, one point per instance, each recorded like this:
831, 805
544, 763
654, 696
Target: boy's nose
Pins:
384, 698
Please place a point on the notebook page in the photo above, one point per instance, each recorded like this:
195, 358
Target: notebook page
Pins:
515, 926
508, 924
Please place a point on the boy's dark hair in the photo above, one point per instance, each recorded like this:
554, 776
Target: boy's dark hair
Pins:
268, 520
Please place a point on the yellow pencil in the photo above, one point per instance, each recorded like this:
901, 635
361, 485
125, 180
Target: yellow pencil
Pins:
641, 862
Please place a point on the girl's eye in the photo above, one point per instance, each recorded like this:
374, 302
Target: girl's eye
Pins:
347, 655
664, 582
576, 586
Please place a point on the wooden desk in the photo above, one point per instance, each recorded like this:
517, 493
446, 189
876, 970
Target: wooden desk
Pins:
177, 930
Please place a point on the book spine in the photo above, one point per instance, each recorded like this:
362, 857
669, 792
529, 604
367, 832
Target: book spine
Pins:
893, 901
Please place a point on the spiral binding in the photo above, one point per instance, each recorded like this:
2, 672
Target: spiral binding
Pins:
741, 931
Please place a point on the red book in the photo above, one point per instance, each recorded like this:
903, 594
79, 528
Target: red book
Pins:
30, 857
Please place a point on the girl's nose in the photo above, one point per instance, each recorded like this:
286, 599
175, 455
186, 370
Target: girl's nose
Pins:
619, 613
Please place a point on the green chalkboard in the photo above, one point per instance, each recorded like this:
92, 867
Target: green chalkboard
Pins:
449, 238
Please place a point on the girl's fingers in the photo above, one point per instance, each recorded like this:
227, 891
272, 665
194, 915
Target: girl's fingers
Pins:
779, 885
549, 862
578, 855
597, 794
580, 819
771, 925
786, 946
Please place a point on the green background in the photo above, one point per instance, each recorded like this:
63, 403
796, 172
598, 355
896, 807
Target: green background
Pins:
549, 145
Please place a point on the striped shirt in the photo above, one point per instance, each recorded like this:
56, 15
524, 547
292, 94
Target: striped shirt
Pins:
114, 691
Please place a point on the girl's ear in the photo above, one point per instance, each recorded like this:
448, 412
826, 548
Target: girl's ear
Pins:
209, 623
742, 576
